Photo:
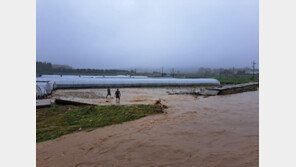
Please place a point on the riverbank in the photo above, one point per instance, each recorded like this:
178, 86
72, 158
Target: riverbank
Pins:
56, 121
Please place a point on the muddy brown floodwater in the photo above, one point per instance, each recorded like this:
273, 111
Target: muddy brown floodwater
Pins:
215, 131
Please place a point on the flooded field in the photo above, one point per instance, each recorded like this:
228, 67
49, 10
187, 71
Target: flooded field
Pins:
195, 131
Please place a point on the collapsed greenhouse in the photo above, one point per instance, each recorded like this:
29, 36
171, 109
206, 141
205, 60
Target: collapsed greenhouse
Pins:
45, 85
44, 88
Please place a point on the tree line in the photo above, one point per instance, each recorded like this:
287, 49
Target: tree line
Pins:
48, 68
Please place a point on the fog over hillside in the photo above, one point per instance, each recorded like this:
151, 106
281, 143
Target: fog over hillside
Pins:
150, 34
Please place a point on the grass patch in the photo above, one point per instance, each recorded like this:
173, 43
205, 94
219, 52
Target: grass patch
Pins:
234, 79
56, 121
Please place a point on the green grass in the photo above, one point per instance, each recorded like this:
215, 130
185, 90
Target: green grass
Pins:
236, 79
54, 122
230, 79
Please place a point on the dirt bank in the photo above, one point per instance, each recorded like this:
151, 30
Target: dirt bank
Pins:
212, 131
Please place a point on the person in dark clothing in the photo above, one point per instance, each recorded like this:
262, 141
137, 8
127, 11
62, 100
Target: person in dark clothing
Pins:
108, 92
117, 95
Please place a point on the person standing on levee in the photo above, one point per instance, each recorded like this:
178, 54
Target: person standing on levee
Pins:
108, 94
117, 95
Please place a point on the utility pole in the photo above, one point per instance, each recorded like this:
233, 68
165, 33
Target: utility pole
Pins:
253, 65
161, 71
232, 70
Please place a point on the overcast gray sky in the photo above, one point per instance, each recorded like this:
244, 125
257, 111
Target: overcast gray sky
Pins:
148, 33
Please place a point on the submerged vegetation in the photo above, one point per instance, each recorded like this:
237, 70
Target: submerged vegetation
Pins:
56, 121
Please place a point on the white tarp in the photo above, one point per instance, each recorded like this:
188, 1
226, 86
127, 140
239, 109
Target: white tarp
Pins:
44, 88
98, 82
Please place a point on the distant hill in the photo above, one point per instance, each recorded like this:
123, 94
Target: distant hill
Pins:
48, 68
59, 66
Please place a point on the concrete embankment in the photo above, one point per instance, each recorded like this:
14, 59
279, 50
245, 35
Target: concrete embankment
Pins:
239, 88
223, 90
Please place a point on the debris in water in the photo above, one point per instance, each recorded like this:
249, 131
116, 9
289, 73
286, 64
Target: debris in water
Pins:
158, 102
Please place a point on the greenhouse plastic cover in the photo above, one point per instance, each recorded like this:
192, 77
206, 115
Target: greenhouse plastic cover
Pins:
91, 76
44, 88
96, 82
40, 91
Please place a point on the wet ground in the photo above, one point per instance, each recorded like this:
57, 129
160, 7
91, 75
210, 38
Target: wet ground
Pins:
196, 131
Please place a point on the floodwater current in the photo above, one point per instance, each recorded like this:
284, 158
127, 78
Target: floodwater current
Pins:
194, 131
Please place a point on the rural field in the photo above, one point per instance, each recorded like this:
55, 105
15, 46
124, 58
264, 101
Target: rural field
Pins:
192, 131
147, 83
